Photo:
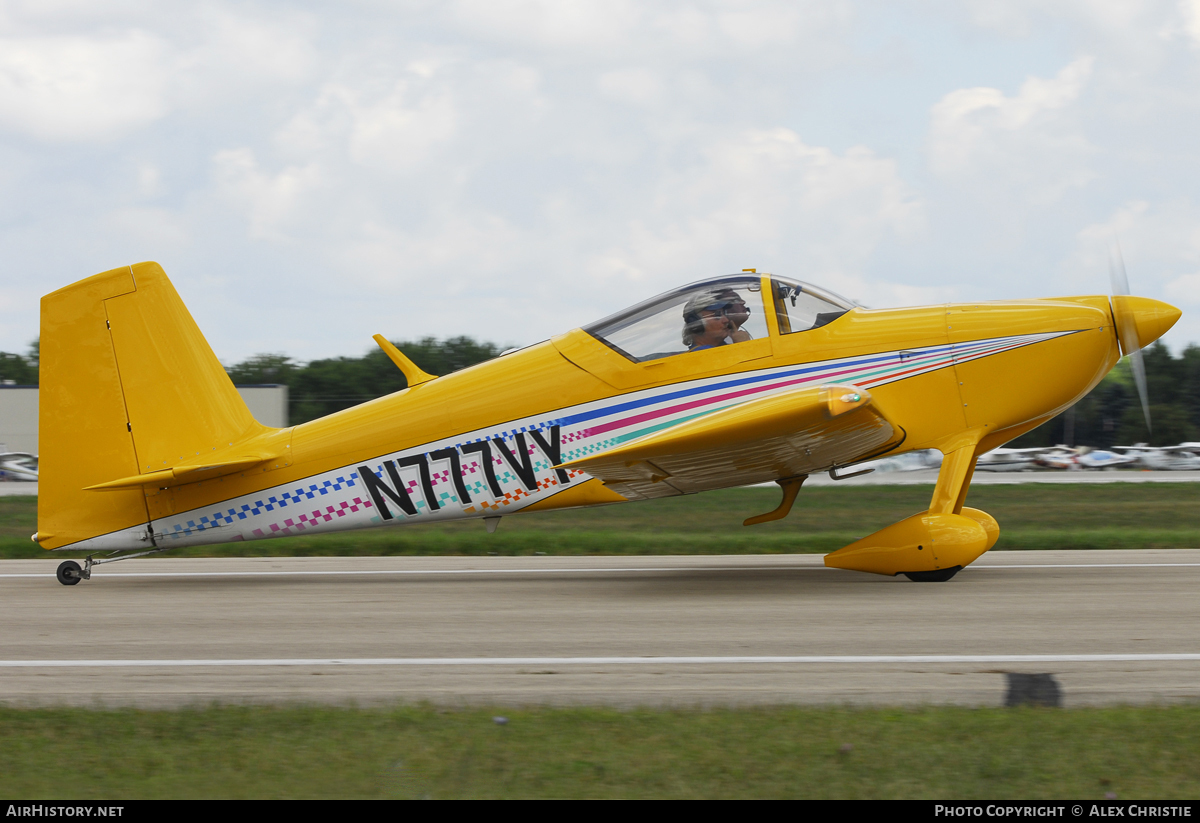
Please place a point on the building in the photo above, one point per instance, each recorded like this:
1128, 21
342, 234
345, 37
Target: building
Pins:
19, 413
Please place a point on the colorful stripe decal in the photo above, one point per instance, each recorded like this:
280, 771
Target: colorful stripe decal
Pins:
863, 372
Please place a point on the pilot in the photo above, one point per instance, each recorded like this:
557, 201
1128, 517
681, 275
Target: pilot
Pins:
705, 324
738, 313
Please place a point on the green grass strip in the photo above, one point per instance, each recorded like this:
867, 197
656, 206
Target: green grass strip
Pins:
1031, 516
414, 752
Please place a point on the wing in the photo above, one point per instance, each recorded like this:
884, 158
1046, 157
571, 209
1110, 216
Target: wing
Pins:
797, 432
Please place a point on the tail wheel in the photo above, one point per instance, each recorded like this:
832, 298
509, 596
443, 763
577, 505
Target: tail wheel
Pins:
939, 576
69, 573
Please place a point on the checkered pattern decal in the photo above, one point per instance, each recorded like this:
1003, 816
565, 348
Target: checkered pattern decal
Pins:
251, 509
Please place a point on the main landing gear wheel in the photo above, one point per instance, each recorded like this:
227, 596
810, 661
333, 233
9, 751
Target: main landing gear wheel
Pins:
69, 573
939, 576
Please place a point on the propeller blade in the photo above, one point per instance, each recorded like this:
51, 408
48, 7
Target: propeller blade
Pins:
1126, 330
1116, 273
1139, 377
1127, 333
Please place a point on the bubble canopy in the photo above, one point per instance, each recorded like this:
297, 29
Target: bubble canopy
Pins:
722, 311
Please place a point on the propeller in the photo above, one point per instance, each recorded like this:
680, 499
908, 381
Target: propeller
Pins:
1127, 330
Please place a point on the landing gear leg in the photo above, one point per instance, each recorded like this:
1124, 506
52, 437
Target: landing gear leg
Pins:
70, 572
953, 481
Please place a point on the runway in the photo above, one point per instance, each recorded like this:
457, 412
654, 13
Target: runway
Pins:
1112, 627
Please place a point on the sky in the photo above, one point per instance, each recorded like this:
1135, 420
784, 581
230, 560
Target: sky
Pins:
310, 174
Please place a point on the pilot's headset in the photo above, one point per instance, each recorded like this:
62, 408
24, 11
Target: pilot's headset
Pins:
693, 323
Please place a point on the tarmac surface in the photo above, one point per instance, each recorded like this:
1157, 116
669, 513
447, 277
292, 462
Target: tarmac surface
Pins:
1112, 627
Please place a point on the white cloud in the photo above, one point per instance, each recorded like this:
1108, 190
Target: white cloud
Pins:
271, 202
1160, 246
80, 89
587, 29
1116, 19
403, 119
1156, 241
252, 48
636, 86
149, 180
771, 24
981, 131
153, 231
397, 132
383, 259
882, 295
766, 197
1097, 243
1189, 10
224, 56
549, 23
1184, 289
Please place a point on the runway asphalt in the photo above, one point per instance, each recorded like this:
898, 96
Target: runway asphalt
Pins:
1112, 627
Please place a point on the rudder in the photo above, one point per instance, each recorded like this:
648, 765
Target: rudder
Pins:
181, 403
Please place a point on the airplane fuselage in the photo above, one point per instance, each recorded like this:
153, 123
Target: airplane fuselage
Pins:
486, 441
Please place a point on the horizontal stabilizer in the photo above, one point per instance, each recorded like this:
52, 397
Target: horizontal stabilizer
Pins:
270, 450
179, 475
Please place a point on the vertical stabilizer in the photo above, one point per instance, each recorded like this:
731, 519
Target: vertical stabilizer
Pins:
83, 432
129, 386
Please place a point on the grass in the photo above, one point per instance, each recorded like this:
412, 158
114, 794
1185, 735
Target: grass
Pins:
1031, 516
934, 753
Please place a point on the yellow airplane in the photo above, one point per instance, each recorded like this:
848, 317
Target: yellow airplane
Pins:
749, 378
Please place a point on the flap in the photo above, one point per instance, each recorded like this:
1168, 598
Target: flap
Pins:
802, 431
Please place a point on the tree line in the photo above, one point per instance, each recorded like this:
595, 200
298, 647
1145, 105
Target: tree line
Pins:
321, 387
20, 369
1111, 414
